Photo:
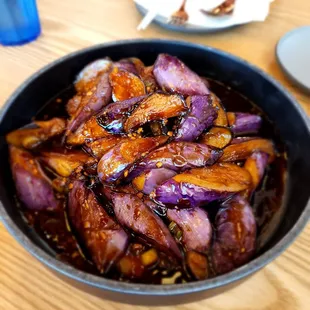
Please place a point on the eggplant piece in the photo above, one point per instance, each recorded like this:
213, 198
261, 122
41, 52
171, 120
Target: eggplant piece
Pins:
149, 80
99, 147
178, 156
132, 213
117, 162
241, 151
73, 104
145, 73
157, 106
147, 181
113, 116
104, 239
88, 132
37, 133
195, 226
256, 165
221, 119
126, 65
65, 162
200, 117
33, 187
200, 186
218, 137
132, 64
235, 235
172, 75
125, 85
86, 79
98, 95
244, 123
198, 265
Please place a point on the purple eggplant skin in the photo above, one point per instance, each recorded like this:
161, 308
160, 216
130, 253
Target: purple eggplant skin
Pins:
132, 213
186, 195
200, 117
195, 226
32, 186
118, 161
200, 186
178, 156
244, 123
104, 239
127, 65
172, 75
147, 181
87, 75
235, 235
113, 116
98, 95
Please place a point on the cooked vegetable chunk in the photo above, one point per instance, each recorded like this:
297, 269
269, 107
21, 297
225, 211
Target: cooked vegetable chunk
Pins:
99, 147
172, 75
200, 186
34, 136
125, 85
32, 186
218, 137
244, 123
65, 162
134, 214
235, 237
87, 132
157, 106
200, 117
147, 181
117, 162
104, 239
178, 156
256, 165
243, 150
221, 119
113, 116
96, 92
195, 226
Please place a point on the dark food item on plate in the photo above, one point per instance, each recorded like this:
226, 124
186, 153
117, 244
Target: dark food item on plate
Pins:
149, 179
227, 7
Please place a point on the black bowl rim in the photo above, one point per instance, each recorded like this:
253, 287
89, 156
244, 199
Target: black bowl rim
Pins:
149, 289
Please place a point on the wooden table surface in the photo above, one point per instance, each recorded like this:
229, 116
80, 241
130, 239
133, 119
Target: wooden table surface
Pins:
70, 25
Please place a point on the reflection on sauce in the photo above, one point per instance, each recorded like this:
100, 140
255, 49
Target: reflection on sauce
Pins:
267, 203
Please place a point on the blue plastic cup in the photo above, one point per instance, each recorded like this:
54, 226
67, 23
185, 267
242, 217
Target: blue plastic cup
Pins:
19, 21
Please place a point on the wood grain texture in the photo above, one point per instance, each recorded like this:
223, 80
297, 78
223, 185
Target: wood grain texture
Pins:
73, 24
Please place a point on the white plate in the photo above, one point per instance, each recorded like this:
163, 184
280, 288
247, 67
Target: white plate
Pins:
245, 11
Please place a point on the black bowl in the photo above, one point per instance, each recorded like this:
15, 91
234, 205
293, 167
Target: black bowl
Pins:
272, 98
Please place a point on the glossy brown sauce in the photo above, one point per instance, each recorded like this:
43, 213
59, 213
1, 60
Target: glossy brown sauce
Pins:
55, 229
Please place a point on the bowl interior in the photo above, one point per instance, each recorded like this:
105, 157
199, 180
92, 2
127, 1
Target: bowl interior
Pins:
259, 88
